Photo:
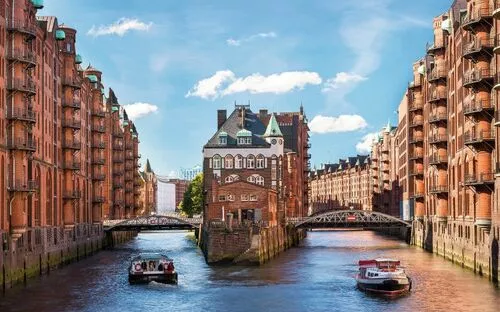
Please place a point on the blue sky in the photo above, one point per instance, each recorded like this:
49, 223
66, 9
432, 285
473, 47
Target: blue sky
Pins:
348, 62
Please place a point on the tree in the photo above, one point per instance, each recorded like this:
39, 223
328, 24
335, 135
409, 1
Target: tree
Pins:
192, 203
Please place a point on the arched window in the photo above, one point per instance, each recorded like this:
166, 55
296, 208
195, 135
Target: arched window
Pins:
260, 163
217, 161
250, 161
238, 162
228, 162
251, 179
229, 179
259, 180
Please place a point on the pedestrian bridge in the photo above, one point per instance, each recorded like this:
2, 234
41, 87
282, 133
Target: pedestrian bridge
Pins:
172, 221
348, 219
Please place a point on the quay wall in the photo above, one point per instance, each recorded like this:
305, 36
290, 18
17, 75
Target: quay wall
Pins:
46, 249
246, 244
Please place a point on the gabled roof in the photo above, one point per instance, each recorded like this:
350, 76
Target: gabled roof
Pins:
241, 118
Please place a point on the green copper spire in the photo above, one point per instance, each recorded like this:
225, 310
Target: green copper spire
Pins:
273, 129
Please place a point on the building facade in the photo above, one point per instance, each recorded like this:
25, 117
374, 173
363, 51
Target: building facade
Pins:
255, 166
188, 174
57, 160
148, 192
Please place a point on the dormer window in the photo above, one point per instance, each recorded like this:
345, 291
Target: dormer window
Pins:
244, 137
223, 138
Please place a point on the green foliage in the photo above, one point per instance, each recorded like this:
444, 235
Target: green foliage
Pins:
193, 197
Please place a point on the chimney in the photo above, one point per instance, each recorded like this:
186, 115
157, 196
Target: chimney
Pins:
263, 113
221, 117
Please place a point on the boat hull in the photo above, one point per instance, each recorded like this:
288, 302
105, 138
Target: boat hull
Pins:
385, 288
159, 278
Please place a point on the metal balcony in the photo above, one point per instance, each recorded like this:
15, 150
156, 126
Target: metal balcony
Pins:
71, 195
478, 47
118, 202
436, 75
118, 159
23, 56
308, 145
438, 139
438, 189
72, 165
98, 129
416, 139
99, 145
416, 121
21, 27
98, 177
98, 161
22, 186
485, 178
21, 114
129, 156
117, 185
138, 156
432, 48
23, 144
118, 173
118, 133
118, 147
438, 160
478, 77
478, 106
416, 171
71, 82
476, 18
437, 95
73, 103
437, 117
21, 85
416, 155
98, 113
129, 146
98, 199
71, 144
479, 137
307, 156
417, 195
72, 123
414, 85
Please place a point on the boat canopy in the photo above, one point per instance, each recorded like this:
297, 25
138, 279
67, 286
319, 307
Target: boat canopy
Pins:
378, 262
150, 256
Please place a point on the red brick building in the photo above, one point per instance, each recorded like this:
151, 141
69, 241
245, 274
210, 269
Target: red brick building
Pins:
58, 160
255, 166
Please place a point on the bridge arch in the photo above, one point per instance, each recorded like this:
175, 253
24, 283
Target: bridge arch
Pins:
152, 223
350, 219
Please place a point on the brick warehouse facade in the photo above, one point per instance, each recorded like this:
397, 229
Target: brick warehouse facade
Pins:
68, 156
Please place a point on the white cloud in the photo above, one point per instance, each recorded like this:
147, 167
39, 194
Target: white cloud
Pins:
238, 42
342, 123
120, 27
225, 82
209, 87
138, 110
365, 145
342, 79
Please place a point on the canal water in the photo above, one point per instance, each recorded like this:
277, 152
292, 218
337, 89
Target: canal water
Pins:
317, 276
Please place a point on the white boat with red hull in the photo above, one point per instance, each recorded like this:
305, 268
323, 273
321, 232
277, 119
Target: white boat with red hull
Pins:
383, 277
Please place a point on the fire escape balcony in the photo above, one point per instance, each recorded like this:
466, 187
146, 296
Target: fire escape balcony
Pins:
432, 48
478, 77
307, 145
21, 114
476, 18
480, 137
416, 139
21, 85
117, 159
139, 156
414, 85
98, 113
436, 75
438, 160
72, 82
478, 106
416, 121
416, 155
23, 56
438, 189
23, 144
98, 145
98, 177
73, 103
437, 117
118, 133
71, 144
438, 139
416, 171
71, 195
437, 95
129, 156
22, 186
129, 146
72, 165
417, 195
21, 27
118, 146
98, 199
98, 161
117, 185
72, 123
98, 129
307, 156
484, 178
477, 47
129, 167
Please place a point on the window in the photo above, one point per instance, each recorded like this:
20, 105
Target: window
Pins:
229, 179
238, 162
222, 198
222, 140
260, 162
253, 197
228, 162
245, 140
230, 197
217, 161
259, 180
251, 179
244, 197
251, 161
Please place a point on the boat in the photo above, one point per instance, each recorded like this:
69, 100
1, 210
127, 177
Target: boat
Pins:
383, 277
152, 267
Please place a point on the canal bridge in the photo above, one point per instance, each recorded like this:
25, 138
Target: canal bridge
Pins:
169, 221
348, 219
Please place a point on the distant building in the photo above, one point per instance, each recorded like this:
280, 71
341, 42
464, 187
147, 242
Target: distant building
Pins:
188, 174
170, 194
147, 202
